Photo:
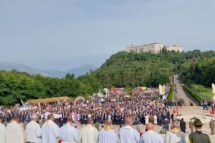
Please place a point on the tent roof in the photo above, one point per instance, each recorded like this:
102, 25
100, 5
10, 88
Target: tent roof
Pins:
48, 100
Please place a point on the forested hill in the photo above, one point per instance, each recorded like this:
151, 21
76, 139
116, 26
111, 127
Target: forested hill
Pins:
147, 69
120, 70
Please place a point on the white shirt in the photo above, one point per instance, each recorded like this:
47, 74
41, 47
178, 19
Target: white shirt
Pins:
14, 133
50, 132
2, 133
68, 134
88, 134
33, 132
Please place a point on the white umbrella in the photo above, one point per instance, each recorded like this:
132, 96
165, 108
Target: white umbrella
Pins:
56, 116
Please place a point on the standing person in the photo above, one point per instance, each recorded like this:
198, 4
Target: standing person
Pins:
166, 124
198, 136
2, 130
191, 125
33, 131
68, 133
107, 135
146, 119
88, 133
172, 117
127, 134
14, 131
155, 119
183, 125
175, 135
212, 126
50, 130
151, 136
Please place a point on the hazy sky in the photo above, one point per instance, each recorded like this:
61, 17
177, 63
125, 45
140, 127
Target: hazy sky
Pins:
61, 34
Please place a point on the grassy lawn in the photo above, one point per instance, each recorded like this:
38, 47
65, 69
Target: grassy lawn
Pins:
199, 92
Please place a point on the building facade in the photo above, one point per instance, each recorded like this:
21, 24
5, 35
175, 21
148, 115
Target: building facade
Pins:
153, 48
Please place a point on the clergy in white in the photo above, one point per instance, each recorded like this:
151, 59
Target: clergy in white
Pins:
2, 131
68, 133
108, 135
50, 131
88, 133
151, 136
127, 134
14, 132
33, 131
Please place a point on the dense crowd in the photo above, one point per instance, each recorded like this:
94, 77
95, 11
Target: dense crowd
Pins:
140, 106
72, 122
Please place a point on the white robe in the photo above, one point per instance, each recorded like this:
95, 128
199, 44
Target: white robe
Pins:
109, 136
33, 132
129, 135
88, 134
68, 134
14, 133
151, 137
50, 132
2, 133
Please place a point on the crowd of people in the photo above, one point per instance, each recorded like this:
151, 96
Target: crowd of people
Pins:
92, 121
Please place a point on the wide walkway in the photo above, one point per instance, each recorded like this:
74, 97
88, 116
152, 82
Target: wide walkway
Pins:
180, 93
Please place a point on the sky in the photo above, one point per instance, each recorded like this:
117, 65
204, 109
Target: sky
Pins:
64, 34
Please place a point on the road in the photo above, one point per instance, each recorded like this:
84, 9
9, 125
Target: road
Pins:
180, 93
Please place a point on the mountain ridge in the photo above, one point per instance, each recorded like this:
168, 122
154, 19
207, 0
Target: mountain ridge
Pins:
81, 70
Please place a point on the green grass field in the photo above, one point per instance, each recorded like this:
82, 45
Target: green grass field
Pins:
199, 92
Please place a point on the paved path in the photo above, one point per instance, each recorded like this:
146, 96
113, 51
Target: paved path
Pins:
180, 93
188, 112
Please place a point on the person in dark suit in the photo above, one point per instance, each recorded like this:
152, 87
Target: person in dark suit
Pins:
183, 125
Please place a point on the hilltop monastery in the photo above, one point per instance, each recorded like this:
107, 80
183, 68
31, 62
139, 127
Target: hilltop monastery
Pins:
153, 48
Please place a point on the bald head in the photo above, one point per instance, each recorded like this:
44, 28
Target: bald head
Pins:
150, 126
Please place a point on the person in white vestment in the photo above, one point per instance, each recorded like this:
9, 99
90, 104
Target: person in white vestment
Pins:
108, 135
33, 130
68, 133
2, 131
88, 133
14, 131
151, 136
127, 134
146, 119
50, 131
155, 119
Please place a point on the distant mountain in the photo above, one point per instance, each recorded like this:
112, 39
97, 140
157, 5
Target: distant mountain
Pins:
55, 73
21, 68
82, 70
51, 73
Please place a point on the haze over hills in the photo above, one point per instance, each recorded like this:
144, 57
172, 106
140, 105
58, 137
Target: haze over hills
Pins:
83, 69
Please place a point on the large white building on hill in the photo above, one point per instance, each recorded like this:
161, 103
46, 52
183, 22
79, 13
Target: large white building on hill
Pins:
153, 48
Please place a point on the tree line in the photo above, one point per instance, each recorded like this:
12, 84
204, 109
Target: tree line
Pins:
15, 86
120, 70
